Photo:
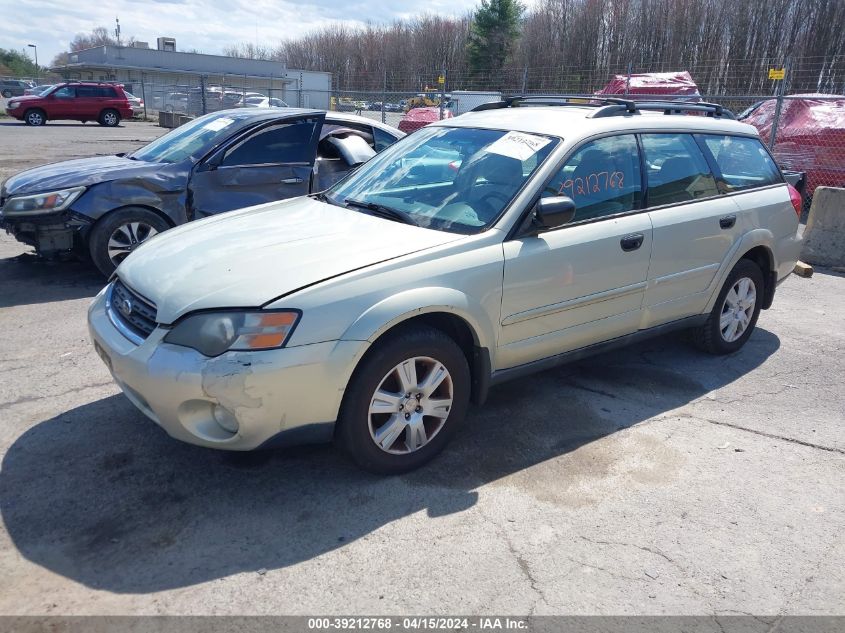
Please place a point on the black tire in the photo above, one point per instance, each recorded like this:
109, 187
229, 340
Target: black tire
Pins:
709, 337
109, 118
353, 432
35, 117
105, 228
7, 93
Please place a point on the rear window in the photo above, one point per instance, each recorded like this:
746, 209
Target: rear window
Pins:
744, 162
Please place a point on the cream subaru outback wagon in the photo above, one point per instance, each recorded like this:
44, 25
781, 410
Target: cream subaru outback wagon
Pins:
522, 235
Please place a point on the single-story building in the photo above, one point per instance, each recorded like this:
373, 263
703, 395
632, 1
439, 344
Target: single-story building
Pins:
167, 77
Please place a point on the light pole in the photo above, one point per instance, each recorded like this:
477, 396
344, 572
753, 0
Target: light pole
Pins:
36, 61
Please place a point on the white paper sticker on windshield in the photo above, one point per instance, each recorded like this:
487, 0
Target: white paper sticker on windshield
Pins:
519, 145
218, 124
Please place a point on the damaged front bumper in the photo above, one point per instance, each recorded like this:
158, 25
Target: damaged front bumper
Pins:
236, 401
51, 234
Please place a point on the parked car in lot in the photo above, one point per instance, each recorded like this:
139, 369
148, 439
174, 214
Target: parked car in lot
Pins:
136, 103
109, 205
77, 101
37, 90
14, 87
171, 101
475, 250
261, 102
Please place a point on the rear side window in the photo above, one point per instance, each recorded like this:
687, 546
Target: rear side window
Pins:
744, 162
602, 178
677, 170
286, 143
86, 92
106, 91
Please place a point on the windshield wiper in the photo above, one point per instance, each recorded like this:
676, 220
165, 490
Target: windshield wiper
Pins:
383, 211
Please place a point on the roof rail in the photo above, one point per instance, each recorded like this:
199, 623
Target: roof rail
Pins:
608, 106
513, 101
668, 107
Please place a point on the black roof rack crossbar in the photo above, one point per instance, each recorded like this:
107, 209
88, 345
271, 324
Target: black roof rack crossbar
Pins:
552, 99
608, 106
668, 107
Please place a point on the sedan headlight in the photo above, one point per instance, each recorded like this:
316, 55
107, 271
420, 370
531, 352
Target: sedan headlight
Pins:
212, 333
36, 204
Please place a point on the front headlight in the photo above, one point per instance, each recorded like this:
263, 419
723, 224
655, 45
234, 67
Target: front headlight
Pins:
50, 202
12, 105
212, 333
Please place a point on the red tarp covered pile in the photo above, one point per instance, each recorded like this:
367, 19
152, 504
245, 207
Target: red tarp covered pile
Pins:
810, 137
678, 85
420, 117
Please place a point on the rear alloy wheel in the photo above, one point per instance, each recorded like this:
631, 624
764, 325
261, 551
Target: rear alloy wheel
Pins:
735, 312
34, 118
7, 93
121, 232
405, 401
109, 118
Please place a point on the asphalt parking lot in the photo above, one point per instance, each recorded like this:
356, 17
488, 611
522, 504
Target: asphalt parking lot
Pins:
655, 480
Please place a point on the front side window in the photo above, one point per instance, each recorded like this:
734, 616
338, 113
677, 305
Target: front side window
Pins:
66, 92
286, 143
452, 179
382, 139
743, 162
602, 178
677, 170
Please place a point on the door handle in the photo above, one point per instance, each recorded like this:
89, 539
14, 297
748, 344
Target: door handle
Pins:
632, 242
291, 181
727, 222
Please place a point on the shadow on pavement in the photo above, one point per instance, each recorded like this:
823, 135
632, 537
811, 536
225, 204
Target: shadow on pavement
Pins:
27, 279
102, 496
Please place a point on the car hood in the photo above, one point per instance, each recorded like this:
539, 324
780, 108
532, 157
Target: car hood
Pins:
250, 257
76, 173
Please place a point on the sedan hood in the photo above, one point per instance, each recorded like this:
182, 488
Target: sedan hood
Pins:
76, 173
249, 257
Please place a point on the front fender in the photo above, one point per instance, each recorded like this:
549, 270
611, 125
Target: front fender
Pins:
385, 314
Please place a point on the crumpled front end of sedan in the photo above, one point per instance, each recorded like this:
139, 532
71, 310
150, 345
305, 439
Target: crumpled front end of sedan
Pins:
237, 400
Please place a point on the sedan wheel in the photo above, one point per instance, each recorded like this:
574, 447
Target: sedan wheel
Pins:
118, 233
737, 309
410, 405
126, 238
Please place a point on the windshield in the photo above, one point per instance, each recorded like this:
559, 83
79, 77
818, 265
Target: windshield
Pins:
191, 139
43, 90
451, 179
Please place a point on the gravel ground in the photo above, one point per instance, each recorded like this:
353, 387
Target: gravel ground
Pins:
654, 480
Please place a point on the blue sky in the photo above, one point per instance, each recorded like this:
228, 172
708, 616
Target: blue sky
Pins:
196, 24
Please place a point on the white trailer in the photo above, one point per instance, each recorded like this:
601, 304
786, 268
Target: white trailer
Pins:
465, 100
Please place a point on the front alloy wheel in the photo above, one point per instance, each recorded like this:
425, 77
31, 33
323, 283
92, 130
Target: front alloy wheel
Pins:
405, 400
410, 405
126, 238
119, 233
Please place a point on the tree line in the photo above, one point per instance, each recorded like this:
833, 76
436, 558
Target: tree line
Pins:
575, 45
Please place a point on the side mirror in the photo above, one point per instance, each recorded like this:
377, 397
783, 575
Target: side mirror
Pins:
550, 213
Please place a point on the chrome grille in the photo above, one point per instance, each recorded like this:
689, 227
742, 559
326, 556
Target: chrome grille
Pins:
129, 311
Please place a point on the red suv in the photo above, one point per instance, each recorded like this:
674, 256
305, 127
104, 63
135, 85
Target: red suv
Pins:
79, 100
